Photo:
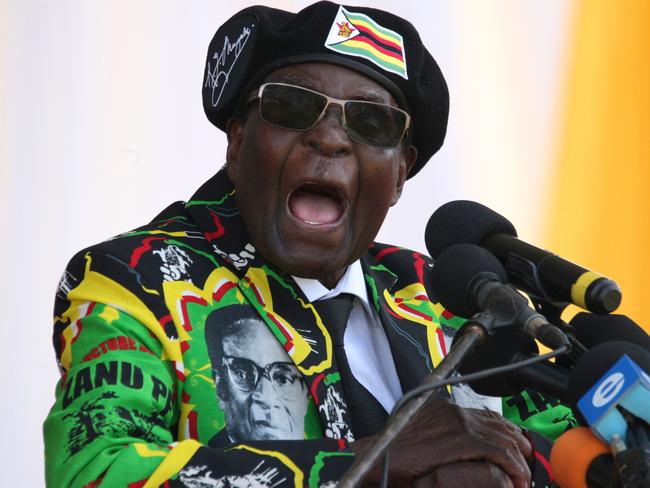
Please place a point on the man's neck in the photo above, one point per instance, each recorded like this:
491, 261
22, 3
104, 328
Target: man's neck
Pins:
331, 281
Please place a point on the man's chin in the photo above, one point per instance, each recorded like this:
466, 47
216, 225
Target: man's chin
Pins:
266, 433
316, 264
311, 255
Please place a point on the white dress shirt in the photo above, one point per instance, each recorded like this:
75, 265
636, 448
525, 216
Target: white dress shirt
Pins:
365, 342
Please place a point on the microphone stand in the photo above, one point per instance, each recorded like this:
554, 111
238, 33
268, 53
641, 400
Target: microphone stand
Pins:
474, 333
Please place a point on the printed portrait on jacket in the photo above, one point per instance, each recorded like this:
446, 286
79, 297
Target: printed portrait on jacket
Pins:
259, 388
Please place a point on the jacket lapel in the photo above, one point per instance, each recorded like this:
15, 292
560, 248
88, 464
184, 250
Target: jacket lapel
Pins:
410, 322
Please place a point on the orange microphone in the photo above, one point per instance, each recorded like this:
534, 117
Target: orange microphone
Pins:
580, 460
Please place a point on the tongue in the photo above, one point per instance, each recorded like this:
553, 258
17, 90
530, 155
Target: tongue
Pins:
314, 208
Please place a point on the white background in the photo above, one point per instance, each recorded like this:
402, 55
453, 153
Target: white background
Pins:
101, 126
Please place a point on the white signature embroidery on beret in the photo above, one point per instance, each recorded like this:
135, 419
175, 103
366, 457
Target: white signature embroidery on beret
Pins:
224, 62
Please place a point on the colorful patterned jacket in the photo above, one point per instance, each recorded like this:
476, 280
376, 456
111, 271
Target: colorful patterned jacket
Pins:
140, 403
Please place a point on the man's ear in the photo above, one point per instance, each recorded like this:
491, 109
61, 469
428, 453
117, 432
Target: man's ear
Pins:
405, 166
234, 133
222, 392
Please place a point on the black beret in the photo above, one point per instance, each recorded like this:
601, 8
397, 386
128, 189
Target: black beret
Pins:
384, 47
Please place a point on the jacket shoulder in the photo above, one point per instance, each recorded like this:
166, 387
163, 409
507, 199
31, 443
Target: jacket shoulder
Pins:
170, 247
407, 265
172, 221
395, 254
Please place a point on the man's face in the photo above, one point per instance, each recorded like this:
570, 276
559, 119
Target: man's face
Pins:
262, 395
313, 201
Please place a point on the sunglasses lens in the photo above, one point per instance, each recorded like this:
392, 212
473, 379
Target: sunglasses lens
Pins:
375, 124
291, 107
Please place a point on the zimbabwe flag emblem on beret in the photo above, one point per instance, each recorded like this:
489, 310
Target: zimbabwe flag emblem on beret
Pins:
358, 35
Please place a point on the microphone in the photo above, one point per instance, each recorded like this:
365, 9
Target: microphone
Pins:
592, 330
467, 280
580, 460
609, 390
508, 346
608, 382
533, 270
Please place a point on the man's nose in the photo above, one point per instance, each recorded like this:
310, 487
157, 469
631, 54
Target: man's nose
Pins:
265, 391
328, 136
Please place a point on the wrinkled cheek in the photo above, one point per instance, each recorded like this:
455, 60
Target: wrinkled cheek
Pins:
246, 422
375, 213
296, 413
267, 145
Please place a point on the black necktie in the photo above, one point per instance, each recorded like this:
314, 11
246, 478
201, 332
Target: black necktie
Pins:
366, 414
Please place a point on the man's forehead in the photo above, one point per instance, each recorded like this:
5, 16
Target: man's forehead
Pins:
251, 342
244, 330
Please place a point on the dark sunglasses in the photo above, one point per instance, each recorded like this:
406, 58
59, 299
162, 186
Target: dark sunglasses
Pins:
297, 108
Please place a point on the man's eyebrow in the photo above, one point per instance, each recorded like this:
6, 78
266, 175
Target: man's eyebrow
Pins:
371, 97
293, 80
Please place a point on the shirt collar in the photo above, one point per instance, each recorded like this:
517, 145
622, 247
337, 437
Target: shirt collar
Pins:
351, 282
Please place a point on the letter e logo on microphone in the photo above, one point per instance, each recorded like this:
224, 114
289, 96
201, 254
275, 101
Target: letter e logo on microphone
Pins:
608, 389
624, 384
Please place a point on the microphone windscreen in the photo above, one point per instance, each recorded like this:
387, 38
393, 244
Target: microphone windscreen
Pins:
593, 329
463, 221
506, 346
572, 454
453, 271
593, 365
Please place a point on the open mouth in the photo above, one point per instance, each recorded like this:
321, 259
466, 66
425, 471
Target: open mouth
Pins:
264, 423
316, 204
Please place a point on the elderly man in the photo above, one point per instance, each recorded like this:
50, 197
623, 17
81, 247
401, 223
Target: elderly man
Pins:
327, 113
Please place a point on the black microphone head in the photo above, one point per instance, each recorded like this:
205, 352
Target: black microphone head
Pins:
456, 268
595, 363
593, 329
463, 221
506, 346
